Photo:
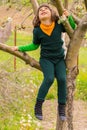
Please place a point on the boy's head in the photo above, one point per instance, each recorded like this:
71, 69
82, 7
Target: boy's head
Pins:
44, 11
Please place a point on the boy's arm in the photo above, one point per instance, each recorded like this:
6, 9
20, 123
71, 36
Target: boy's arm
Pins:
28, 47
71, 21
70, 18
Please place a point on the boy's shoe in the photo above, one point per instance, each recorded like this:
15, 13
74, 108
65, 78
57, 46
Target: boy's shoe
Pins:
38, 110
61, 109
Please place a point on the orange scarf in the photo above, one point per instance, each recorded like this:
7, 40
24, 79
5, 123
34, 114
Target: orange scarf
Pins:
47, 28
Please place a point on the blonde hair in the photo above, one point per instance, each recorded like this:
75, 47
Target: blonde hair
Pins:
54, 16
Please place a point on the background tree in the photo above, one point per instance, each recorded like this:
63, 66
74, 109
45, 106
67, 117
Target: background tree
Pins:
85, 4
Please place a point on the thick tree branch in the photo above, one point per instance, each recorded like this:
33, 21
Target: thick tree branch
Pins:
60, 8
24, 56
75, 43
35, 5
59, 5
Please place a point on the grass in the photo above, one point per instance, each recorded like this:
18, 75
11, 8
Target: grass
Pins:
18, 89
21, 88
81, 87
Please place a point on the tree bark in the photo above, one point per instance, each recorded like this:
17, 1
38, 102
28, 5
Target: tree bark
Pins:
66, 4
71, 62
75, 42
60, 8
24, 56
72, 68
35, 5
85, 4
71, 83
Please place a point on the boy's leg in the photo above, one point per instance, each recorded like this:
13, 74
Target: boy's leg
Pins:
38, 109
60, 70
48, 72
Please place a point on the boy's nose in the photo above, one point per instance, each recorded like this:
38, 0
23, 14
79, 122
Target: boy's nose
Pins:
43, 9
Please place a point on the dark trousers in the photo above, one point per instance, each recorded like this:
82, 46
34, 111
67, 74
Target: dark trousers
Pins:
51, 71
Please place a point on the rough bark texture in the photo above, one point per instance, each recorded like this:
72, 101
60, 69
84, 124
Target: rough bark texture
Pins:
71, 78
71, 62
66, 4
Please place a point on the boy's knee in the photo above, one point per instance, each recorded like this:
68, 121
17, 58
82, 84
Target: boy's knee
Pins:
50, 80
62, 79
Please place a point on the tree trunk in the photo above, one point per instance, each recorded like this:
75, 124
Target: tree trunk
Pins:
75, 43
71, 78
71, 62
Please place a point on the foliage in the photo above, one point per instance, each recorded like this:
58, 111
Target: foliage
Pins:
17, 95
17, 92
81, 89
85, 36
25, 2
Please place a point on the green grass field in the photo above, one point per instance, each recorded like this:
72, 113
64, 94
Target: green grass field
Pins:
81, 87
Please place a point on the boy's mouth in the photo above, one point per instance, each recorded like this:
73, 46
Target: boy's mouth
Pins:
43, 13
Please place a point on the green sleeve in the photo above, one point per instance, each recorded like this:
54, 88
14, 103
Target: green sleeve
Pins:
71, 21
28, 47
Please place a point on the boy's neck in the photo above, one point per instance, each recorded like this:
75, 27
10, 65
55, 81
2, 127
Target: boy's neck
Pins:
46, 22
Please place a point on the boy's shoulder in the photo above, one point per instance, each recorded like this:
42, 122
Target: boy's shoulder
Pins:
59, 24
36, 29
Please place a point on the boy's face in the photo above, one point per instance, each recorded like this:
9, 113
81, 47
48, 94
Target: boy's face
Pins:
44, 13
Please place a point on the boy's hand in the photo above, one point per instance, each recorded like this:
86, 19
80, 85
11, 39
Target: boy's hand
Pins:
66, 13
64, 16
15, 48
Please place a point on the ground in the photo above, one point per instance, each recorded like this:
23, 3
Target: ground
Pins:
50, 106
50, 115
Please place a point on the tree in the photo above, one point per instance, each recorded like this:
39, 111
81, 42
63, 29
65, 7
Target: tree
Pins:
76, 38
34, 5
85, 4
